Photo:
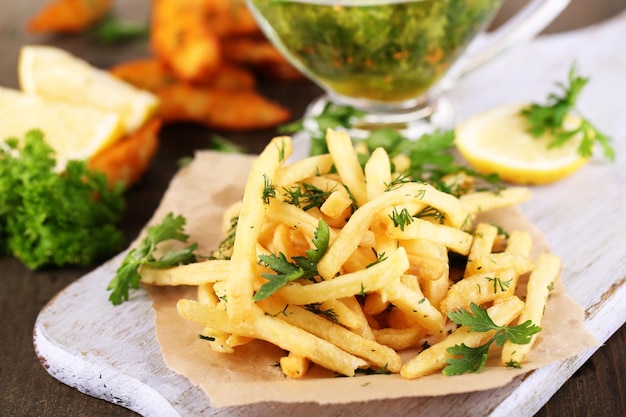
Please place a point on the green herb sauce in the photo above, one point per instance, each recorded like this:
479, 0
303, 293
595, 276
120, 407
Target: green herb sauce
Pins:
387, 51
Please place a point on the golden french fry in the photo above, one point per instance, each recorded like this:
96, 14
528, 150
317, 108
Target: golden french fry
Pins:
244, 258
540, 283
400, 339
481, 201
429, 260
497, 261
276, 331
482, 244
303, 169
295, 218
479, 289
451, 237
434, 358
191, 274
294, 366
519, 243
412, 301
347, 164
368, 349
377, 173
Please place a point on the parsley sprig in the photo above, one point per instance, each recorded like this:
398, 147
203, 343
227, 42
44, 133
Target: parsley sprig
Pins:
550, 117
472, 359
127, 275
300, 266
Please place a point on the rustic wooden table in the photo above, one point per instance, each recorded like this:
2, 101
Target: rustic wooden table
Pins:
597, 389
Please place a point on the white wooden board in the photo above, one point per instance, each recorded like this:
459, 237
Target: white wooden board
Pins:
112, 352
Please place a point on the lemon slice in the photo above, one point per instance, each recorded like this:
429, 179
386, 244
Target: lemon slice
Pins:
55, 74
74, 132
497, 141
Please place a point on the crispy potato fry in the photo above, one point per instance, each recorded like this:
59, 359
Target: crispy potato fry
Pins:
244, 257
479, 289
411, 300
220, 109
276, 331
303, 169
347, 164
370, 350
377, 173
192, 274
294, 366
68, 16
478, 202
130, 157
400, 339
540, 283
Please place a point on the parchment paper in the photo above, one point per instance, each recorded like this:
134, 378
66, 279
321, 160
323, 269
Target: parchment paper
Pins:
201, 191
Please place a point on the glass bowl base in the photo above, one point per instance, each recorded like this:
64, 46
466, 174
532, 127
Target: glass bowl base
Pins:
411, 123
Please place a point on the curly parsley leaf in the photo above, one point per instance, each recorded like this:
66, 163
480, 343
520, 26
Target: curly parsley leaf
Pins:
472, 359
550, 118
127, 275
50, 218
299, 267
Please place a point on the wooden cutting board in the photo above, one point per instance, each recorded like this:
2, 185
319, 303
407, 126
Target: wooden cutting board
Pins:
112, 352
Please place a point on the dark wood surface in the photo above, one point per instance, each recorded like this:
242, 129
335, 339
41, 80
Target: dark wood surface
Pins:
597, 389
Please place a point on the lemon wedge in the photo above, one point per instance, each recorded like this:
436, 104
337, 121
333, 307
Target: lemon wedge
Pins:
497, 141
55, 74
74, 132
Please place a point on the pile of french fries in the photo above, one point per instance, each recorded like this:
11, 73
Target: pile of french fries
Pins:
381, 287
206, 58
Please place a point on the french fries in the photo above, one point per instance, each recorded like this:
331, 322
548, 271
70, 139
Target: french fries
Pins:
361, 292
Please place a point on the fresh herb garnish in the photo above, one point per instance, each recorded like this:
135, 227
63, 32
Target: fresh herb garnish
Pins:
305, 196
127, 275
550, 118
328, 313
472, 359
401, 219
301, 266
269, 191
221, 144
50, 218
112, 30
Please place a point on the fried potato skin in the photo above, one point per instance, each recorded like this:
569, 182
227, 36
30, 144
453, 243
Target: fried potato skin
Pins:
68, 16
128, 159
220, 108
153, 75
